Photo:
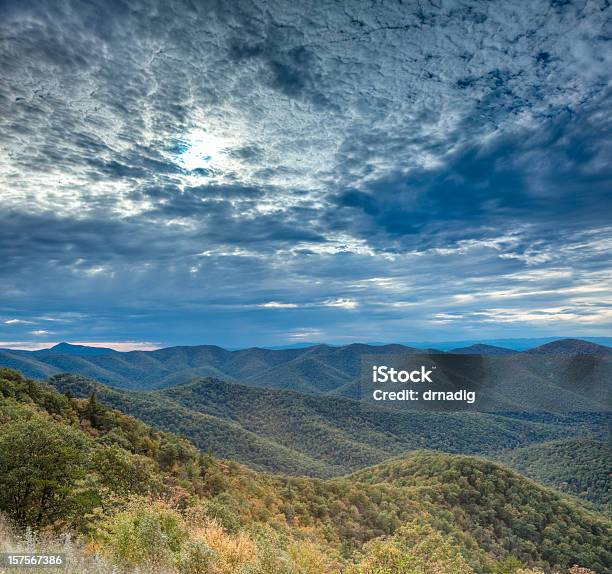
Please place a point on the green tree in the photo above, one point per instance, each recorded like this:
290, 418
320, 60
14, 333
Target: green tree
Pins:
145, 533
125, 473
509, 565
41, 464
414, 549
94, 411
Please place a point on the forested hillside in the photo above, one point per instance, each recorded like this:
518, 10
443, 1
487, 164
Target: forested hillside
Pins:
283, 431
317, 369
148, 499
578, 466
564, 375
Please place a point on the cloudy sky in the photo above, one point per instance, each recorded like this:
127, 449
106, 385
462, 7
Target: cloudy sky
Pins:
270, 172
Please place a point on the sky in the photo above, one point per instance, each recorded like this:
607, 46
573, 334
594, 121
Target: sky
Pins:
267, 173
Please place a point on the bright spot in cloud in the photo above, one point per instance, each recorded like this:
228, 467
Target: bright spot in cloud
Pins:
305, 335
203, 150
95, 270
278, 305
342, 303
39, 332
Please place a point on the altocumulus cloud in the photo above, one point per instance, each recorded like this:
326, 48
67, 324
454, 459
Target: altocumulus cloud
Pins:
252, 173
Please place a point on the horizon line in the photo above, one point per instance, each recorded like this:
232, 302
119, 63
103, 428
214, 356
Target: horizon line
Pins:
130, 346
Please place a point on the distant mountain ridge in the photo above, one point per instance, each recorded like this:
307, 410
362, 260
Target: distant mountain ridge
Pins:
517, 344
571, 347
77, 350
482, 349
319, 369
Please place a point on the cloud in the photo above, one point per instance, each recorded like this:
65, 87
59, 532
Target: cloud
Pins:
183, 171
342, 303
305, 335
120, 345
25, 345
277, 305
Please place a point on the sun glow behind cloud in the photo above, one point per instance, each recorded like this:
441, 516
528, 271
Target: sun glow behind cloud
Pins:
205, 151
327, 169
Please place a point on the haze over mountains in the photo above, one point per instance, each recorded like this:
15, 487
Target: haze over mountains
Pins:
567, 374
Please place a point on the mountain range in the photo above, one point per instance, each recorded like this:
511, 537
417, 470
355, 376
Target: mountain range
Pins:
319, 369
149, 499
296, 411
285, 431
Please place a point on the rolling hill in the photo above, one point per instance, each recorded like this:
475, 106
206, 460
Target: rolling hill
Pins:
471, 491
295, 433
318, 369
570, 347
563, 375
106, 476
577, 466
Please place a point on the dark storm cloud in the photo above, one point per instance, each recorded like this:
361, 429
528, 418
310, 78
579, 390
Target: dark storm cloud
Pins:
553, 176
252, 172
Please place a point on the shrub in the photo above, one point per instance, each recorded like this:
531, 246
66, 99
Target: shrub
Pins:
230, 553
147, 533
414, 549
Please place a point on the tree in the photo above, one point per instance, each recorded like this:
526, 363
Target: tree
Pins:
94, 411
41, 463
509, 565
414, 549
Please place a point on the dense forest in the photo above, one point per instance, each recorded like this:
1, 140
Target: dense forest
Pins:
294, 433
134, 497
578, 466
